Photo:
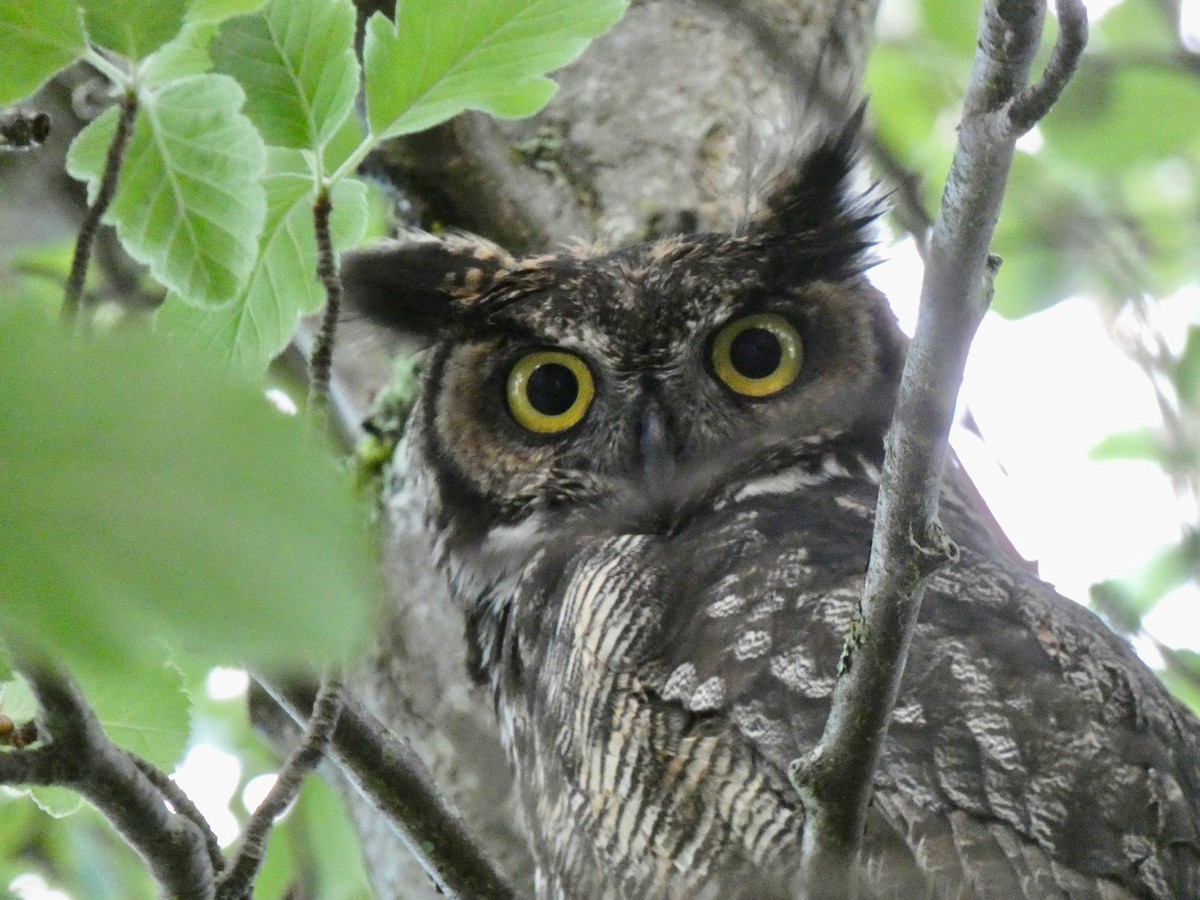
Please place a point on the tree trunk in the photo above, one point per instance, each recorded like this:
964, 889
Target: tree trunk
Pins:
676, 120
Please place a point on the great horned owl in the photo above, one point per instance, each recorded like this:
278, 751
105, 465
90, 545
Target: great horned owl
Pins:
651, 476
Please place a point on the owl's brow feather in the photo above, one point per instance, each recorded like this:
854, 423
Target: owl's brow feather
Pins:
527, 279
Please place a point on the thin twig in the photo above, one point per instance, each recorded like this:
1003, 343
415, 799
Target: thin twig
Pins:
22, 129
75, 753
183, 804
345, 417
1031, 105
237, 883
388, 773
104, 196
1148, 348
321, 360
908, 543
904, 194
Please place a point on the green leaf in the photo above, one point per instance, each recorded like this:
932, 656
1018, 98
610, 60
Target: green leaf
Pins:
1140, 444
247, 334
1127, 601
1032, 277
85, 158
296, 61
1183, 678
953, 24
143, 710
220, 10
1101, 103
146, 499
333, 841
146, 712
186, 55
912, 88
58, 802
18, 703
1187, 370
188, 204
1135, 26
132, 27
36, 40
442, 58
17, 828
1148, 445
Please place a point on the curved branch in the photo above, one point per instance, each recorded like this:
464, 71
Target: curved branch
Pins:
77, 754
908, 543
392, 777
1031, 105
238, 881
183, 804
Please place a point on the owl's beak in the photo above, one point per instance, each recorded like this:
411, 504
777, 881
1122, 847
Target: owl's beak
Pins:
658, 454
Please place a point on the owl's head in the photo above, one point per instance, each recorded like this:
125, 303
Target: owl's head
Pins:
658, 370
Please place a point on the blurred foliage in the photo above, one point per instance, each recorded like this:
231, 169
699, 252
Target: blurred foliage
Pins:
156, 506
1103, 201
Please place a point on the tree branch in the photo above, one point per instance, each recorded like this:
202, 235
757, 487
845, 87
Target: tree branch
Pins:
184, 806
908, 543
75, 753
1031, 105
905, 194
392, 777
321, 360
238, 881
104, 196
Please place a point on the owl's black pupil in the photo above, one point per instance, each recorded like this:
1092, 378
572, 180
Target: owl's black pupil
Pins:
755, 353
552, 389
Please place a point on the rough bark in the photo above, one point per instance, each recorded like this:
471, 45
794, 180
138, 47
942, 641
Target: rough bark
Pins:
677, 119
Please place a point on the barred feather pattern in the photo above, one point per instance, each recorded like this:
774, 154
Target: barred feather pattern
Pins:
652, 689
658, 593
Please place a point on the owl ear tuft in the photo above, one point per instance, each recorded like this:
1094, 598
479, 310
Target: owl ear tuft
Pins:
817, 221
420, 283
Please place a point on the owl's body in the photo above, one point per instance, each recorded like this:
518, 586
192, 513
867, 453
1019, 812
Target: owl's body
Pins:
651, 475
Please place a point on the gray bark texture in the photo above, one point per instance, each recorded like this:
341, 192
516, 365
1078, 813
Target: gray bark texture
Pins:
676, 120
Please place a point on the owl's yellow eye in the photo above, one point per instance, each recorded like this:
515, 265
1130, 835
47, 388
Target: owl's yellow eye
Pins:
549, 391
758, 355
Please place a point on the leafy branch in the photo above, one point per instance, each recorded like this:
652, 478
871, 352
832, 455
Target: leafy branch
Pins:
73, 750
909, 544
139, 458
68, 747
235, 188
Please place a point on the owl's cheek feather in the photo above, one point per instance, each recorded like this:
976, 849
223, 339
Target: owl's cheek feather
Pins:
470, 424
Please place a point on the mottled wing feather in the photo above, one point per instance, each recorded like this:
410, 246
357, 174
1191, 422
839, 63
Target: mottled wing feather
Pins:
1022, 722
